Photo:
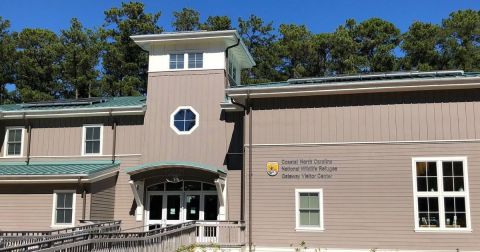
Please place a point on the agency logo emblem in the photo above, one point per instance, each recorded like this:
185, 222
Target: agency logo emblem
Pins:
272, 168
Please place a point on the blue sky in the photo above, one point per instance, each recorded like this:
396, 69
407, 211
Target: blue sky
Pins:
319, 16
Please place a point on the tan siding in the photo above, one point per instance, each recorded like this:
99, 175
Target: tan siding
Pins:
124, 201
103, 199
233, 194
203, 90
367, 204
29, 207
403, 116
63, 136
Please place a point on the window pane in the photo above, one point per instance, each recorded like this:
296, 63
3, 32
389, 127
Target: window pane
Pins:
60, 216
460, 204
156, 202
422, 184
96, 133
180, 115
304, 200
189, 115
315, 217
189, 125
180, 125
89, 133
434, 220
433, 204
313, 202
209, 187
458, 182
432, 184
421, 169
96, 147
192, 186
422, 204
447, 169
461, 220
193, 207
68, 216
304, 218
173, 207
68, 200
175, 186
448, 184
211, 207
431, 169
61, 200
458, 168
449, 204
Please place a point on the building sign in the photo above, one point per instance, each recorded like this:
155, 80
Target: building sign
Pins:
272, 168
308, 169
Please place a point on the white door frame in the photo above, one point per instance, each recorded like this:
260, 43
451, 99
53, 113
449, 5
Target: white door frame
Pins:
182, 215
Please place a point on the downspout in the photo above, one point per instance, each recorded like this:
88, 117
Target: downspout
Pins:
29, 129
84, 209
226, 60
114, 138
250, 173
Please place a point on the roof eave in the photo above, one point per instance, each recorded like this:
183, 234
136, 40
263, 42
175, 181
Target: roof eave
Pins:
78, 112
355, 87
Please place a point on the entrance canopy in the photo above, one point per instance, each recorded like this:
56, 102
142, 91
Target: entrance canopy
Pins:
57, 172
147, 174
174, 164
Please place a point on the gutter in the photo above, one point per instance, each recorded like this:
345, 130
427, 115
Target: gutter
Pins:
131, 110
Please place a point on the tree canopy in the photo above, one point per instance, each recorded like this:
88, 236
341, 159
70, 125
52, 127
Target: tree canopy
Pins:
79, 62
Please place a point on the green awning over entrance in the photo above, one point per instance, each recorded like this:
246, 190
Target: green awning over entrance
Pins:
172, 164
86, 170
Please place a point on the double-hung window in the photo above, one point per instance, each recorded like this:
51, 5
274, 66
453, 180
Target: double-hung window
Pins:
309, 209
441, 197
177, 61
63, 208
13, 141
92, 139
195, 60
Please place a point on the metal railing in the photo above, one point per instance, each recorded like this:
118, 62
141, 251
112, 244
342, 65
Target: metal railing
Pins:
158, 239
17, 238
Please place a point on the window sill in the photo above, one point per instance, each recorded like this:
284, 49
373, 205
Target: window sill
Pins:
62, 226
7, 156
444, 230
91, 154
306, 229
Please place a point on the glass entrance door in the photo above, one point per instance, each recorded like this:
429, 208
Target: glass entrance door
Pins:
155, 204
174, 209
174, 203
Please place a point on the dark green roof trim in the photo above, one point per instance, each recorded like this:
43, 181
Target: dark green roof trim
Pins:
64, 168
167, 164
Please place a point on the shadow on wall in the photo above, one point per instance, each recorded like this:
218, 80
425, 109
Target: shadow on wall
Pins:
234, 156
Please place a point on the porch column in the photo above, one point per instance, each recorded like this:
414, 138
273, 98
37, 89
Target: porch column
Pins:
138, 191
220, 183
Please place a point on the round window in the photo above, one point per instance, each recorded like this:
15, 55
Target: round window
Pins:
184, 120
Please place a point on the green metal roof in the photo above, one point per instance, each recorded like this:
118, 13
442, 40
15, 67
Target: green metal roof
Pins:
108, 102
166, 164
78, 168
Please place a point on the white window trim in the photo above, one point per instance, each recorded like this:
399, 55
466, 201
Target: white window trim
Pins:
172, 119
84, 131
441, 194
54, 208
187, 55
320, 228
5, 142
